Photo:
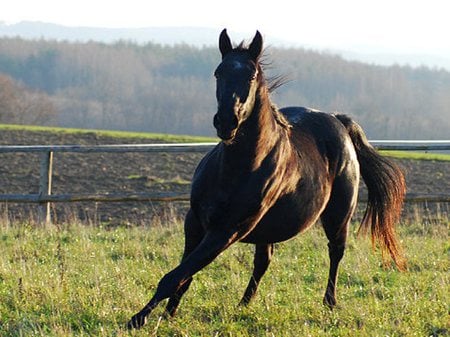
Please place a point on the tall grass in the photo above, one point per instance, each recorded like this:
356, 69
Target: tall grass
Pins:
79, 280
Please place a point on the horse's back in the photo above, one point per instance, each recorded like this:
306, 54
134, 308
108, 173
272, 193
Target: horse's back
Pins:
318, 124
295, 114
327, 132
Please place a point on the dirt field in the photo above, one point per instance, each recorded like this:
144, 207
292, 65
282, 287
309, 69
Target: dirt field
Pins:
140, 172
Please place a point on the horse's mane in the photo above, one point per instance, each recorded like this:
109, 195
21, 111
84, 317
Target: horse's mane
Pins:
272, 82
280, 118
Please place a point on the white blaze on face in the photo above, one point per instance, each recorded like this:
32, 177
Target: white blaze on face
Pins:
237, 65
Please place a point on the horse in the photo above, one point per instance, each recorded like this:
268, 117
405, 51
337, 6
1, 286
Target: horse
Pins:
275, 173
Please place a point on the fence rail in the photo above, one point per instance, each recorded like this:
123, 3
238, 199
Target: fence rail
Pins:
402, 145
45, 196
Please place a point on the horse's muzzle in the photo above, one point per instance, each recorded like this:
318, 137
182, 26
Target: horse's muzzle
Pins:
226, 128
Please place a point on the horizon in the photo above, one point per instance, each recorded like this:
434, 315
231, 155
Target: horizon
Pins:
365, 54
407, 27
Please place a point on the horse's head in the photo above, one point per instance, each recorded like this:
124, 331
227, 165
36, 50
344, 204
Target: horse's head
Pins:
237, 81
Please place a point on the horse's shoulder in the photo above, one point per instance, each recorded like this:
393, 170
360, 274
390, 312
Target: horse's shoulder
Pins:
204, 166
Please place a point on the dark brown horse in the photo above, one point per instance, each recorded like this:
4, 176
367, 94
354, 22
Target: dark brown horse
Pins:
273, 175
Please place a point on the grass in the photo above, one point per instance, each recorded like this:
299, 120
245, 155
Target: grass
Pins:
414, 155
110, 133
78, 280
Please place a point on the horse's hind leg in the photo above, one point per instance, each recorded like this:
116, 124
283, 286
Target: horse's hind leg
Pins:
263, 255
193, 234
335, 221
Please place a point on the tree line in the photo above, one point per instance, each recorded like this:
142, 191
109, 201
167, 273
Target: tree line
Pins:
171, 89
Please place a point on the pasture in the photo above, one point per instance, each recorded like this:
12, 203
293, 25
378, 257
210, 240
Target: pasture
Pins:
78, 280
86, 278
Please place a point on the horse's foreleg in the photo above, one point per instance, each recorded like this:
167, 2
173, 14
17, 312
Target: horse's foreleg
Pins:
212, 244
193, 233
263, 255
174, 300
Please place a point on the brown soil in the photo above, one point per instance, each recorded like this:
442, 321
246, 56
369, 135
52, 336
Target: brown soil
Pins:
135, 172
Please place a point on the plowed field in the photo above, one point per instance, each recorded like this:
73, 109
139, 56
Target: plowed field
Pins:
138, 172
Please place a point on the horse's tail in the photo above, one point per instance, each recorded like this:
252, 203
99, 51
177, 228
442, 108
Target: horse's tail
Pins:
386, 191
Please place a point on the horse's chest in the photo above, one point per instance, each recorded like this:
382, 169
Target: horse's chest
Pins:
222, 201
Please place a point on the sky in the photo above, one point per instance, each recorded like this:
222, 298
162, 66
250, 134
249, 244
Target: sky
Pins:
408, 26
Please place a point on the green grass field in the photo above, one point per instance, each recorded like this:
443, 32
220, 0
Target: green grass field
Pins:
78, 280
110, 133
417, 155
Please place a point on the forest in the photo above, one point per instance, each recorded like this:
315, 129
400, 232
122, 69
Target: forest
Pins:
171, 89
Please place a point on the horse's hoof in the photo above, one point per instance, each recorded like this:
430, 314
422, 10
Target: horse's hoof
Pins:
136, 322
329, 302
169, 314
245, 301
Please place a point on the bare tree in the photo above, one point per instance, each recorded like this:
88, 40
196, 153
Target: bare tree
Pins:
21, 106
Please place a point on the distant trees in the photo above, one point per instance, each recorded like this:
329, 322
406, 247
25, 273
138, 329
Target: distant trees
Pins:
21, 106
390, 102
171, 89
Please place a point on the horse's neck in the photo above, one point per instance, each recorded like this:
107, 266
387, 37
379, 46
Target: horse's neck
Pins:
259, 135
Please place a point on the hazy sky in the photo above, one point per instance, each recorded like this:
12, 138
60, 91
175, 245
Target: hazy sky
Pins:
389, 25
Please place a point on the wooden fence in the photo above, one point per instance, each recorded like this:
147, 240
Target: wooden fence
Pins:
45, 196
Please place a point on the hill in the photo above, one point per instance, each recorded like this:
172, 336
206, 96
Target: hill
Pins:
195, 36
202, 36
170, 89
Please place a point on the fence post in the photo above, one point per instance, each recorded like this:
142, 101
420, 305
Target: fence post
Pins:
45, 185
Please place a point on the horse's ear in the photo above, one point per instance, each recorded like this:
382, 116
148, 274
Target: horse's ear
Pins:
225, 45
255, 47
